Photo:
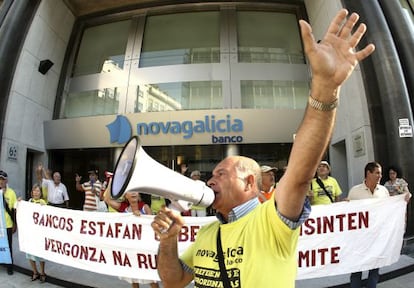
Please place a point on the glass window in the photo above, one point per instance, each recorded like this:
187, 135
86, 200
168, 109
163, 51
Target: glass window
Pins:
263, 94
179, 96
184, 38
102, 48
91, 103
268, 37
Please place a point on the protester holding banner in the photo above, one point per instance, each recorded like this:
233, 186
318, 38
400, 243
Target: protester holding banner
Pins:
370, 188
9, 213
253, 244
57, 194
395, 183
324, 188
91, 188
36, 197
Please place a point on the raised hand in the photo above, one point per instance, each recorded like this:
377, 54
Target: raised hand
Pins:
334, 58
39, 167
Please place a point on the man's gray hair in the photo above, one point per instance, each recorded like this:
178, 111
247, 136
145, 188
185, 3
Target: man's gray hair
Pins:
246, 166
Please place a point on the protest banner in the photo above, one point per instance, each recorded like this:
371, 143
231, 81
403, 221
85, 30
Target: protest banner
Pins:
337, 239
118, 244
352, 236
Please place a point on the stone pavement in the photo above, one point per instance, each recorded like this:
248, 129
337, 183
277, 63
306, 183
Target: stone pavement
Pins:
398, 275
19, 280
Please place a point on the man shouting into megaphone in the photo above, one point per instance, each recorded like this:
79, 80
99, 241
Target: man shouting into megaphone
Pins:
252, 244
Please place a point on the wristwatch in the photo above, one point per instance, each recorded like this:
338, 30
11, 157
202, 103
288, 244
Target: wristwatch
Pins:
320, 106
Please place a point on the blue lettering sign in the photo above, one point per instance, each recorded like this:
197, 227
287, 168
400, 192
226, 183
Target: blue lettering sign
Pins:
208, 125
226, 139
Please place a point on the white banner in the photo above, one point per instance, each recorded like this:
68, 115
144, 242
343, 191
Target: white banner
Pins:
117, 244
337, 239
346, 237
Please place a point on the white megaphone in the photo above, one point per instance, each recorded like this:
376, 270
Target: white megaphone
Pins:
136, 171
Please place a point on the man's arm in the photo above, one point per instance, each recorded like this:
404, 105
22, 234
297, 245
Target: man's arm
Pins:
41, 173
332, 61
111, 202
169, 267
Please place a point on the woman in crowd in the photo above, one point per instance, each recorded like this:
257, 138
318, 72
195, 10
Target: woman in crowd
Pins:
395, 184
36, 197
133, 203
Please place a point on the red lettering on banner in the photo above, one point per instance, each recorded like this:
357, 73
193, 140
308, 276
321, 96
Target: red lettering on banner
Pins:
147, 261
326, 224
52, 221
341, 221
121, 258
188, 233
116, 230
75, 251
318, 257
335, 255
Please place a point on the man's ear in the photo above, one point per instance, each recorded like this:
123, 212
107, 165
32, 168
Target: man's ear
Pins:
250, 182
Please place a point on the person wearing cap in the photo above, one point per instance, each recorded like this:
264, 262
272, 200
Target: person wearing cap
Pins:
268, 183
9, 202
57, 194
324, 188
197, 211
92, 189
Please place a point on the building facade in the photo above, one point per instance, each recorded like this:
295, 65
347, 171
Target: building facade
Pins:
196, 81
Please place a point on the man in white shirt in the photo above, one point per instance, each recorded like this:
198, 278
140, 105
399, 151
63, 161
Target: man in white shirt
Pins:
370, 188
57, 194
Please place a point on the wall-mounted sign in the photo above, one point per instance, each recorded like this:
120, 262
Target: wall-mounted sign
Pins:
358, 144
12, 151
404, 128
120, 128
171, 128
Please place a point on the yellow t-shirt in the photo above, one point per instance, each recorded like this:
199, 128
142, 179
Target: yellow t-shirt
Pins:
44, 193
194, 207
38, 201
319, 196
110, 209
11, 199
259, 251
156, 203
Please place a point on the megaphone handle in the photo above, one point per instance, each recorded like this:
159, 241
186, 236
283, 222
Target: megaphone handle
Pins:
165, 230
173, 207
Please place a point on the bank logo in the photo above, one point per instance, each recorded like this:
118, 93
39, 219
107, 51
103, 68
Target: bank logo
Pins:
120, 130
208, 124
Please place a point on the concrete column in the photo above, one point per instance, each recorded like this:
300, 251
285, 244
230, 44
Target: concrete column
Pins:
15, 22
386, 90
232, 150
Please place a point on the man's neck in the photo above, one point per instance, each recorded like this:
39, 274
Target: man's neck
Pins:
371, 185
